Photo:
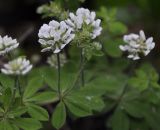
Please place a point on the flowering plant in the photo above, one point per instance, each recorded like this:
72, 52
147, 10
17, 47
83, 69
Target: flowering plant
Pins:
76, 84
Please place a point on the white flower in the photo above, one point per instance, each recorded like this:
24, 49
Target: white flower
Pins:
137, 45
7, 44
84, 16
19, 66
52, 60
55, 36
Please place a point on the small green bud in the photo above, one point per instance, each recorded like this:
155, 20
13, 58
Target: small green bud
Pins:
97, 45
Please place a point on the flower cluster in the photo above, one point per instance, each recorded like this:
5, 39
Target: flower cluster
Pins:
85, 17
137, 45
55, 36
7, 44
80, 28
52, 60
19, 66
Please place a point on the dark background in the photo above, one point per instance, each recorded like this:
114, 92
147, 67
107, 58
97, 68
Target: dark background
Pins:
18, 19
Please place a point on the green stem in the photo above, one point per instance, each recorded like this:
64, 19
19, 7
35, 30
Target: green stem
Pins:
59, 74
17, 86
75, 80
81, 66
15, 89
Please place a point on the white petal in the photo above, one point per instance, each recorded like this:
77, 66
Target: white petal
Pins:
142, 35
149, 40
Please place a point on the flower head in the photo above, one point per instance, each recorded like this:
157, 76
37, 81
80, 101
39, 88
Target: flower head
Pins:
52, 60
19, 66
82, 17
137, 45
7, 44
55, 36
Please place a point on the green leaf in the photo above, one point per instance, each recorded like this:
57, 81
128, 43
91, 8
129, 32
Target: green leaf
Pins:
146, 77
5, 125
50, 77
6, 98
14, 127
77, 110
90, 99
120, 120
149, 69
79, 105
38, 112
90, 89
96, 103
33, 86
98, 53
6, 81
134, 108
108, 15
139, 125
138, 83
59, 116
44, 98
18, 111
152, 119
68, 79
112, 48
27, 123
117, 28
112, 85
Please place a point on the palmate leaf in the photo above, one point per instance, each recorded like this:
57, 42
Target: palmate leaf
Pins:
41, 75
33, 86
43, 97
90, 89
117, 28
145, 77
46, 74
27, 123
91, 101
112, 48
16, 112
6, 125
82, 102
134, 108
152, 96
50, 78
151, 117
78, 109
120, 120
140, 81
38, 112
6, 81
136, 124
6, 98
112, 85
82, 105
59, 116
108, 15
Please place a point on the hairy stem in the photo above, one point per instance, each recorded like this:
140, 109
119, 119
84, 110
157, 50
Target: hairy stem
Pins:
59, 74
82, 67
